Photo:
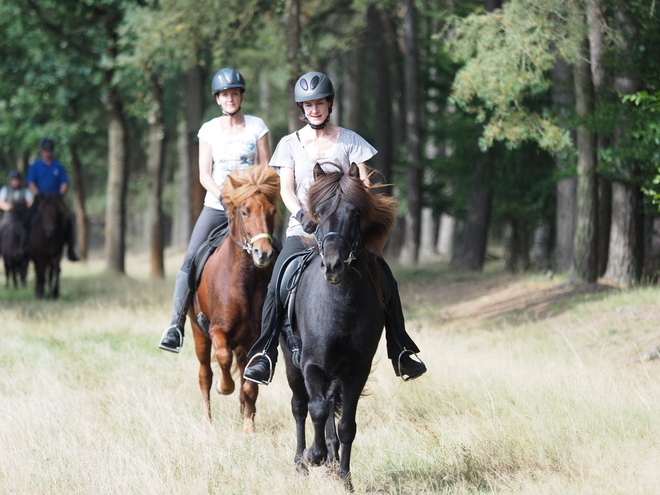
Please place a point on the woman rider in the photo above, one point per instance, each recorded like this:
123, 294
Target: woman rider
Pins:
232, 141
295, 157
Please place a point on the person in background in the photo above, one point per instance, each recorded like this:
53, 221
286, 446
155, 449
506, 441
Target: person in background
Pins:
226, 143
295, 156
47, 175
14, 191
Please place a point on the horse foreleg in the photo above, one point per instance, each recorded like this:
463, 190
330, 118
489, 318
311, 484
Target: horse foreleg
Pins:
319, 410
55, 280
331, 439
203, 352
225, 357
249, 391
40, 271
347, 426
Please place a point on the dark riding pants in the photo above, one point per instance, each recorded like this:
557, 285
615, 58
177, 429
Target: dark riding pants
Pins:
208, 219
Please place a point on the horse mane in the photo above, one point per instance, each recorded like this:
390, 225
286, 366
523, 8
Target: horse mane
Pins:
242, 184
377, 211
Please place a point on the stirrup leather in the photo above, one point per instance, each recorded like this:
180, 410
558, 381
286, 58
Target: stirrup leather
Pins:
405, 352
172, 349
270, 366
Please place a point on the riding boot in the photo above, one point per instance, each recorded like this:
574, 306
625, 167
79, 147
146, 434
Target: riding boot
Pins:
70, 235
172, 339
400, 346
263, 354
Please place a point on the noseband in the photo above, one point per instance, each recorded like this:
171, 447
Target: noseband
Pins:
247, 242
353, 247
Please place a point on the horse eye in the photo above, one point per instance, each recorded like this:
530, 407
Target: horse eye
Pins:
244, 213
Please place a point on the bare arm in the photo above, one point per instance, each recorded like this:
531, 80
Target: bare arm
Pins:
4, 205
263, 151
206, 168
364, 174
34, 189
288, 190
63, 188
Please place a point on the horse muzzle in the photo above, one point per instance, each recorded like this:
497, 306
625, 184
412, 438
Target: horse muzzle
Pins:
333, 269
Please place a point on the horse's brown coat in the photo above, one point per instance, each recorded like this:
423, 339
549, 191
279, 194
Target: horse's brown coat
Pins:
233, 286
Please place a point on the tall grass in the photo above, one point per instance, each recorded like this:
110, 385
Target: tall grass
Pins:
89, 404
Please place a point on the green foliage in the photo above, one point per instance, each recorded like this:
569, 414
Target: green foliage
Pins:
507, 55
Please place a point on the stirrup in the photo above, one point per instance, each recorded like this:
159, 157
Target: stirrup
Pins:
271, 367
165, 333
407, 352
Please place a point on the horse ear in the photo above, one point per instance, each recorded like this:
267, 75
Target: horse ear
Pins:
318, 171
354, 171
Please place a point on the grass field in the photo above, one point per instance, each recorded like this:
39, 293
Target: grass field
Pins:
533, 388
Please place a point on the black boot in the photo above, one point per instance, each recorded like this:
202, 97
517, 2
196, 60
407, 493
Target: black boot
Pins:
400, 347
172, 339
263, 354
70, 234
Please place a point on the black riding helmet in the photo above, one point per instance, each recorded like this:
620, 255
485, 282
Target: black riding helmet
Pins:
314, 86
227, 79
47, 144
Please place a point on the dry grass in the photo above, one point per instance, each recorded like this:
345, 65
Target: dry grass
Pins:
531, 389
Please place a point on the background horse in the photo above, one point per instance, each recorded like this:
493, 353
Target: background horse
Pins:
13, 243
338, 314
46, 241
233, 285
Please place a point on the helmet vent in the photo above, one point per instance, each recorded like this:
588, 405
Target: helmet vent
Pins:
303, 84
315, 81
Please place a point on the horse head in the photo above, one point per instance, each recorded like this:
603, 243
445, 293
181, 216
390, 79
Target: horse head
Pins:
336, 202
52, 213
250, 197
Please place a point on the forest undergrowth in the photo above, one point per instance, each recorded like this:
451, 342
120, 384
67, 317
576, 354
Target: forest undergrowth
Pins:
533, 387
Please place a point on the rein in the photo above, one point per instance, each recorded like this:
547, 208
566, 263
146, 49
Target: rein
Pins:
247, 242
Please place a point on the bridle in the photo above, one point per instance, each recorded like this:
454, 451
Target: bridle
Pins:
247, 242
353, 247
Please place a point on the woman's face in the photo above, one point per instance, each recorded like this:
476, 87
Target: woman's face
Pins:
316, 111
230, 99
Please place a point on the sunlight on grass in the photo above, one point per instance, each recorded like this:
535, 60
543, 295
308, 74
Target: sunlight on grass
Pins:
520, 401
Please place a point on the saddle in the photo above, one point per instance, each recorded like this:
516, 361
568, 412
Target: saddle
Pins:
203, 253
286, 290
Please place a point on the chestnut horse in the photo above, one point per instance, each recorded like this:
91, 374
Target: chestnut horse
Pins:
338, 315
233, 286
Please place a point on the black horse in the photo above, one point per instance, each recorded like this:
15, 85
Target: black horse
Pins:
338, 315
13, 236
46, 240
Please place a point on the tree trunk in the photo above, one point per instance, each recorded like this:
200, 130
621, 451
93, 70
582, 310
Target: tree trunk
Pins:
81, 213
585, 266
562, 99
474, 239
596, 25
155, 167
428, 235
623, 267
604, 219
183, 220
516, 252
410, 252
115, 215
194, 110
353, 85
383, 137
446, 231
292, 9
625, 262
